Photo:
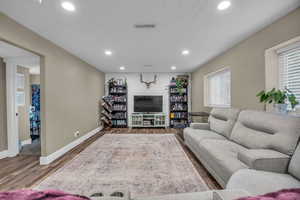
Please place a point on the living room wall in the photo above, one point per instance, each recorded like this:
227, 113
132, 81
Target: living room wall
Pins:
247, 63
70, 88
3, 135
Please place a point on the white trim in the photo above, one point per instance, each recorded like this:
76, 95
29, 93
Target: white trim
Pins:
3, 154
217, 106
272, 66
26, 142
217, 71
205, 84
288, 47
45, 160
12, 119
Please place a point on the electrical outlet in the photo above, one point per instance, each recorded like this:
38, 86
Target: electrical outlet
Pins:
76, 134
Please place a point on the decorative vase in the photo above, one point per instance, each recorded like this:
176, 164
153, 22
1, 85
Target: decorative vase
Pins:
281, 108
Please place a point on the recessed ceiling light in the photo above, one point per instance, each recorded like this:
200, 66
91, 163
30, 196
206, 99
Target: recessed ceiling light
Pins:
108, 52
224, 5
173, 68
68, 6
122, 68
185, 52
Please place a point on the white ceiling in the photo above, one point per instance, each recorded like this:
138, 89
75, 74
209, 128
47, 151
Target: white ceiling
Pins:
181, 24
20, 57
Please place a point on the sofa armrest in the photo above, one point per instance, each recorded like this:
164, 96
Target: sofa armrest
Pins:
265, 160
203, 126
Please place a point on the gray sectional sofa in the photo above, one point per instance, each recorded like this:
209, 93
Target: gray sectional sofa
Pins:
248, 150
208, 195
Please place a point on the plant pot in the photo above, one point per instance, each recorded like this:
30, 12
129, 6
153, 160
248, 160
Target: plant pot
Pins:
281, 108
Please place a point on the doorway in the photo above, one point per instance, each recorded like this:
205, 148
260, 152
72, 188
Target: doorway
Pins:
23, 129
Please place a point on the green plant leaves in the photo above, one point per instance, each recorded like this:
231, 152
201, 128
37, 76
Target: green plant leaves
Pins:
278, 97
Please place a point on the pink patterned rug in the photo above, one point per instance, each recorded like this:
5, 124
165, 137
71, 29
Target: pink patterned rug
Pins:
145, 165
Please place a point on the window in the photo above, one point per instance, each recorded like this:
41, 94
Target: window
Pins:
289, 68
20, 98
20, 81
217, 89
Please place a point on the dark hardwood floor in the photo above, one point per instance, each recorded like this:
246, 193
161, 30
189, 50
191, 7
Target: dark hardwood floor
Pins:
24, 171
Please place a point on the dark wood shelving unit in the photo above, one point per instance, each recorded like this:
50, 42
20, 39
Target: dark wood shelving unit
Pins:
106, 112
178, 106
119, 97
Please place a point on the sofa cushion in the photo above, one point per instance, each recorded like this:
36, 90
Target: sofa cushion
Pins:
261, 182
208, 195
190, 196
203, 126
265, 159
222, 120
221, 156
197, 135
262, 130
294, 167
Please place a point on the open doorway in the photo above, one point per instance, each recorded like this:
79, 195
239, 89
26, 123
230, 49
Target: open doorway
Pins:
22, 69
29, 121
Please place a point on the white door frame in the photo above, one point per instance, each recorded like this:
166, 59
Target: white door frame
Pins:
12, 119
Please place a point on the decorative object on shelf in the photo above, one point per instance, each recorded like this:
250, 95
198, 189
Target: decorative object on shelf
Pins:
111, 82
180, 86
106, 111
178, 89
148, 84
279, 98
117, 89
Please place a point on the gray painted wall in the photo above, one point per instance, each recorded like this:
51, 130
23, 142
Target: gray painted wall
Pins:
70, 88
247, 63
3, 123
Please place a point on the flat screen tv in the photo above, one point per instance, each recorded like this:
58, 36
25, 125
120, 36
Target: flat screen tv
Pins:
148, 104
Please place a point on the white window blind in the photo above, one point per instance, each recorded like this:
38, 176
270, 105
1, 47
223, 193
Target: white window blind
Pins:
218, 89
20, 98
289, 68
20, 81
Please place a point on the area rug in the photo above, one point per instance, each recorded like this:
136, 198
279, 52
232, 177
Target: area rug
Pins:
145, 165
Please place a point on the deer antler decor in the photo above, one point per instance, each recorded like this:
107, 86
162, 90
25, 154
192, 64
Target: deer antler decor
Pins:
148, 84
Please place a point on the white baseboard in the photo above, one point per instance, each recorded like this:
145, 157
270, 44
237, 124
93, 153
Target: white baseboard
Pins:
45, 160
3, 154
26, 142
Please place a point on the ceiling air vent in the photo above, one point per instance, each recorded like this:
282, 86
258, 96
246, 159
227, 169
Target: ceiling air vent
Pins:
144, 25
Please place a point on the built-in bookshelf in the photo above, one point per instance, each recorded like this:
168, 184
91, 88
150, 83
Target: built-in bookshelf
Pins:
178, 95
106, 113
117, 90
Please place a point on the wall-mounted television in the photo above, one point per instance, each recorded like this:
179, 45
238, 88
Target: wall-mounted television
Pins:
148, 104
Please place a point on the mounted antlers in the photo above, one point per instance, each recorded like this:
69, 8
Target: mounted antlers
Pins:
148, 84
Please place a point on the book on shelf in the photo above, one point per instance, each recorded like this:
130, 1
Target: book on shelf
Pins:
117, 89
178, 98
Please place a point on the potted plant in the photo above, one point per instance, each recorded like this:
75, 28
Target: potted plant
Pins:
112, 82
181, 85
279, 98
